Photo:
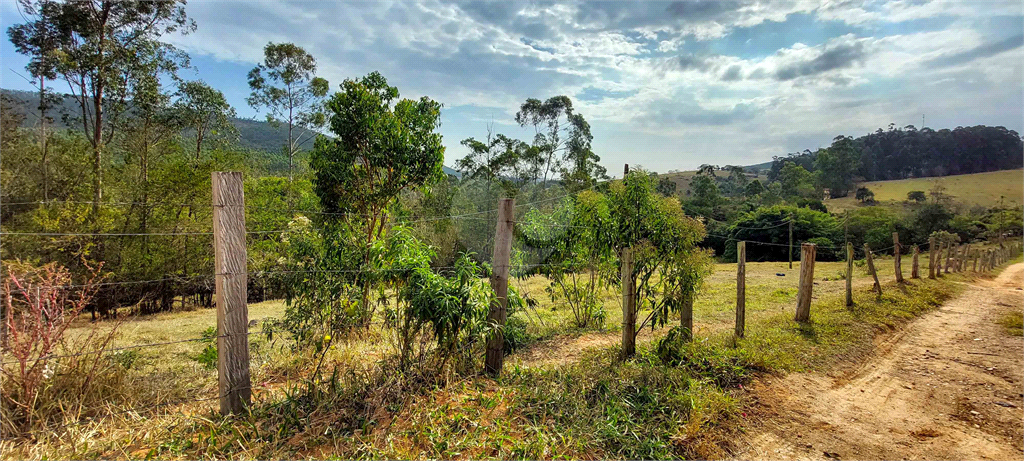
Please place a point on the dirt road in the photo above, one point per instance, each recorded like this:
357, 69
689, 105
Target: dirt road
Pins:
949, 386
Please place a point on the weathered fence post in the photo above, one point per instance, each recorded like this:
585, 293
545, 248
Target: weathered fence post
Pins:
686, 317
849, 274
914, 274
931, 257
628, 305
974, 260
790, 241
231, 282
898, 258
949, 255
803, 297
741, 287
871, 268
495, 357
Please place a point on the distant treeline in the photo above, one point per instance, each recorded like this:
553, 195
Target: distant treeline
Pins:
900, 153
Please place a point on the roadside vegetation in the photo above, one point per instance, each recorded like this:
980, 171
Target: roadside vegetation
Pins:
369, 269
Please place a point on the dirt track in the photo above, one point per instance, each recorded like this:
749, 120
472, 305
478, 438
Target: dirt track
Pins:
948, 386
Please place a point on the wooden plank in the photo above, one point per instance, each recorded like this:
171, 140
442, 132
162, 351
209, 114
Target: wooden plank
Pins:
231, 275
804, 294
495, 356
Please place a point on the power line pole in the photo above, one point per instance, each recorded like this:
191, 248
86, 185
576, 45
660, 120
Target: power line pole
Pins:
791, 241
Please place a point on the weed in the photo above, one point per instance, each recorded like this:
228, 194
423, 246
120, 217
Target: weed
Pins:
1013, 322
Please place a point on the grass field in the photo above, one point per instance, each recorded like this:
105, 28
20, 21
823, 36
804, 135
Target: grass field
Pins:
563, 395
986, 189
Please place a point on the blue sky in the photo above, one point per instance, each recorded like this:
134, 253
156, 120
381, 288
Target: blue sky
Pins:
667, 85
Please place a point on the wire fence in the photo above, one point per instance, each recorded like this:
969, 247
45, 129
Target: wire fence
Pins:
476, 215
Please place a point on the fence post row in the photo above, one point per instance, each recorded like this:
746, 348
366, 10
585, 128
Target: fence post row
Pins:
914, 274
803, 306
897, 259
871, 268
233, 378
741, 287
949, 255
849, 274
499, 283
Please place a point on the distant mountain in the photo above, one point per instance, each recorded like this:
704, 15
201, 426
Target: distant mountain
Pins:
253, 134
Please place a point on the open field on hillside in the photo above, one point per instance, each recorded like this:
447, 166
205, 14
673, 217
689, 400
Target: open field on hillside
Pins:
987, 189
537, 410
683, 178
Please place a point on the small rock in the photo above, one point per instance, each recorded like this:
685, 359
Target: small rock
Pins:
977, 339
907, 386
975, 413
1005, 404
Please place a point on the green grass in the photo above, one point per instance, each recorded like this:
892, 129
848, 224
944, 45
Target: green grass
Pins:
986, 189
1013, 322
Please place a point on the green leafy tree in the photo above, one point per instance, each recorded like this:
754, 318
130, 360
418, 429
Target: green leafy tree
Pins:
560, 130
864, 195
754, 189
102, 49
285, 84
381, 147
837, 165
666, 187
797, 182
204, 111
661, 236
916, 196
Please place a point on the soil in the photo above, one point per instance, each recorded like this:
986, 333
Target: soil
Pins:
947, 386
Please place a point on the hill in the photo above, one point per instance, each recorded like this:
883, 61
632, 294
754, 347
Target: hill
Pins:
985, 189
252, 134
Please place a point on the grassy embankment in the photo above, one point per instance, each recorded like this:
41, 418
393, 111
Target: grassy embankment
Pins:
590, 406
987, 189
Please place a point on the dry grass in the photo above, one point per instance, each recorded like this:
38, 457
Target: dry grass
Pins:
474, 418
986, 189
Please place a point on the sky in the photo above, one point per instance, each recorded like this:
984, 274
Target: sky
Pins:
665, 85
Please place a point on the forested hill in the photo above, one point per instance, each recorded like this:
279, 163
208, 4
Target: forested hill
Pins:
901, 153
252, 134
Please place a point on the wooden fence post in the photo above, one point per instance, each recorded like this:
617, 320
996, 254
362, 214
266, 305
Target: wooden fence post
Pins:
974, 260
898, 258
686, 317
741, 287
949, 255
234, 384
914, 274
495, 357
931, 257
849, 274
628, 305
803, 297
871, 268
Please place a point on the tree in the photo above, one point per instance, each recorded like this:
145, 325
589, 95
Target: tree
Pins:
837, 164
666, 187
865, 195
204, 110
569, 135
916, 196
661, 237
510, 162
381, 147
285, 83
753, 189
797, 182
102, 49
